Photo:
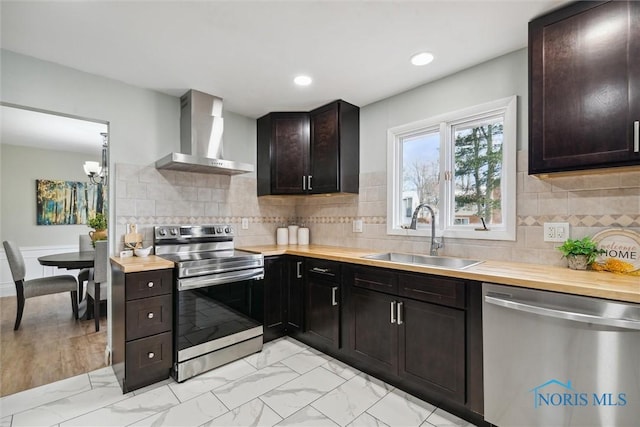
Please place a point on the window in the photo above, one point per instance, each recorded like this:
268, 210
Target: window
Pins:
462, 165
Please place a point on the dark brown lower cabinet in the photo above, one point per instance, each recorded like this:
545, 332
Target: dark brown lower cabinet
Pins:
283, 296
295, 295
431, 347
373, 339
322, 304
275, 287
420, 342
409, 328
142, 308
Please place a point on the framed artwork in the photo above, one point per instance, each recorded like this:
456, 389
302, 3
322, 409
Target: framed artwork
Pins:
67, 202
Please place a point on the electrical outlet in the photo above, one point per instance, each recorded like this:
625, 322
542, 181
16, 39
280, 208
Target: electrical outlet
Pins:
556, 231
245, 223
357, 226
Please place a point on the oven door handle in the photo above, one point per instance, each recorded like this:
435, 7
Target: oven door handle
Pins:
220, 279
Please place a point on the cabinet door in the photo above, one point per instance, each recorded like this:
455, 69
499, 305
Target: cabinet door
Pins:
584, 65
289, 152
373, 338
324, 149
275, 282
322, 312
295, 295
432, 347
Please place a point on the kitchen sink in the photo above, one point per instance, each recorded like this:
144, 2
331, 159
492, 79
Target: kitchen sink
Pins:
426, 260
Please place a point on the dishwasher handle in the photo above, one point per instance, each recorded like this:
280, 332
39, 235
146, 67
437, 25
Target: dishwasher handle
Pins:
562, 314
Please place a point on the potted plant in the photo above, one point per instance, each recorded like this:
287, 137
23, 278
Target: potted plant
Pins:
580, 253
99, 225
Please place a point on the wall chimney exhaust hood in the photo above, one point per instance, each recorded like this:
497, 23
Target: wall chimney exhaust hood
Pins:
201, 127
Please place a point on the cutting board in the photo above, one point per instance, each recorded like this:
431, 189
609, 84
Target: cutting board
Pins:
133, 239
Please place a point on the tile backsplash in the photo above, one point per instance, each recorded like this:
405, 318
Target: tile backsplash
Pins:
147, 197
590, 203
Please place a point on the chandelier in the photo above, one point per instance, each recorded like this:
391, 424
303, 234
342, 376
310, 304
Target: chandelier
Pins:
97, 172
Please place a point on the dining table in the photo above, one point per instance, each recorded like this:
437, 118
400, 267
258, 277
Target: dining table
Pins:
71, 261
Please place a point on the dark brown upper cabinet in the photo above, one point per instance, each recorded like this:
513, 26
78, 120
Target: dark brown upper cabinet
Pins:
584, 87
313, 152
283, 152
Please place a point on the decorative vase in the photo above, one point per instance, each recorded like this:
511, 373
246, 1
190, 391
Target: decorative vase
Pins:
577, 262
98, 235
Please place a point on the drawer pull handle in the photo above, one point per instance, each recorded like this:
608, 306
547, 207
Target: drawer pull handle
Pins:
151, 355
298, 271
636, 136
334, 301
150, 284
150, 315
325, 271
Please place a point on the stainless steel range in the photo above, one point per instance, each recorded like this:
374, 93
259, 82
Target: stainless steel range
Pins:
218, 294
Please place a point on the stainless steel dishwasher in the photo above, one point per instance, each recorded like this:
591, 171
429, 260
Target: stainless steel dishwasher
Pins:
553, 359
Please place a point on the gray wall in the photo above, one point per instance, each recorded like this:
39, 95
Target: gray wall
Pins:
498, 78
240, 139
143, 124
19, 169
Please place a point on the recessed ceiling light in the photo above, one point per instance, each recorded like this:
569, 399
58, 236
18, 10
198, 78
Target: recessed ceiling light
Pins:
422, 58
302, 80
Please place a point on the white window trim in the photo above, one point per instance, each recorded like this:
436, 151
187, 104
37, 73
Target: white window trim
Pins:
444, 122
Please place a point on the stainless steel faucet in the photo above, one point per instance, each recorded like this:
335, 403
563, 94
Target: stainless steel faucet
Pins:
435, 243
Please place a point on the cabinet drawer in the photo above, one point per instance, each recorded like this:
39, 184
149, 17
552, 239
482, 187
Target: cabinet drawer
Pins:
148, 284
148, 360
376, 280
436, 289
148, 316
327, 270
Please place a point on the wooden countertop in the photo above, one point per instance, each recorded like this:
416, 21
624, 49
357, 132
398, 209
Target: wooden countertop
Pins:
136, 264
550, 278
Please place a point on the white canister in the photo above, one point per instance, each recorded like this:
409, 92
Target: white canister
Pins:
293, 234
282, 236
303, 236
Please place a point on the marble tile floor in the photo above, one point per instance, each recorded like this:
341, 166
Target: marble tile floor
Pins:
287, 384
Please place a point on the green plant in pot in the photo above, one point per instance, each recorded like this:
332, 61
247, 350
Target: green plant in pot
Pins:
99, 225
580, 253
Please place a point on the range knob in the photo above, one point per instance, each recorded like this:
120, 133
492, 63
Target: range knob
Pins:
162, 232
174, 231
219, 230
228, 230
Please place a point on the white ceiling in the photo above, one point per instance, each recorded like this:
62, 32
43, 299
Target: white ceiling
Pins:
248, 52
37, 129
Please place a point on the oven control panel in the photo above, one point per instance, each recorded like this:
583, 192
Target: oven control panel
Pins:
186, 232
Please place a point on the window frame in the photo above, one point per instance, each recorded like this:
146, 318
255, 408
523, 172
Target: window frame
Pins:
444, 123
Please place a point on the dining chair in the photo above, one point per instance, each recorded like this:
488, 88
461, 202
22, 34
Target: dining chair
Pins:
97, 286
36, 287
85, 245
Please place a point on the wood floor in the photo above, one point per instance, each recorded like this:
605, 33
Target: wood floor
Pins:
50, 344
